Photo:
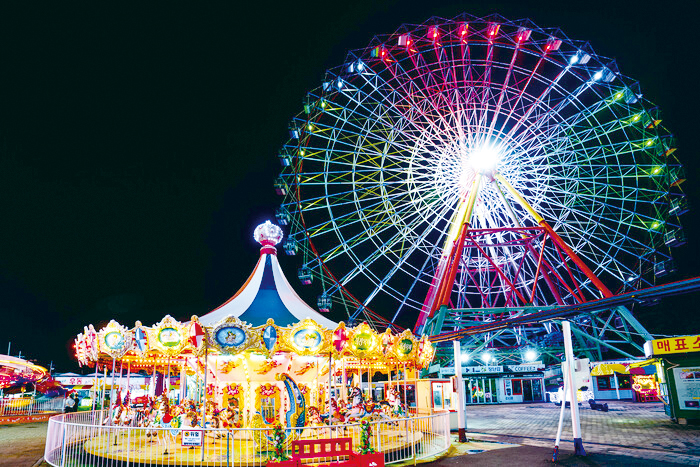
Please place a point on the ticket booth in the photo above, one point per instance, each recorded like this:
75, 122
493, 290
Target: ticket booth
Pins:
678, 374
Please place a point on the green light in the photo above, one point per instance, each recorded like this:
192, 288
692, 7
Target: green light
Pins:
302, 152
323, 104
618, 95
655, 225
636, 118
656, 171
650, 142
311, 127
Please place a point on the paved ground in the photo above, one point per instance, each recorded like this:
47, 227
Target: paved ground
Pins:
639, 431
524, 455
22, 445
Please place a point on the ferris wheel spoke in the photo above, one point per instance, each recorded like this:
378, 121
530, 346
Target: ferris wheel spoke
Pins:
571, 98
364, 220
575, 229
603, 200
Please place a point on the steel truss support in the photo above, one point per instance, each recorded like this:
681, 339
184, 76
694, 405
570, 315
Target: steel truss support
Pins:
593, 330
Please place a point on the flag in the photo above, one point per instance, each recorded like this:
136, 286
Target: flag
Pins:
270, 337
340, 338
141, 340
196, 334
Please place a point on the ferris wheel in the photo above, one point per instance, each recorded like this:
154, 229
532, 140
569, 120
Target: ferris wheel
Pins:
477, 163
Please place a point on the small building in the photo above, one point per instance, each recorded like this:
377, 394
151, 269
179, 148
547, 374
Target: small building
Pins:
500, 384
678, 375
612, 380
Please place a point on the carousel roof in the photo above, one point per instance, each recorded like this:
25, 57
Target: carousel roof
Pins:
267, 293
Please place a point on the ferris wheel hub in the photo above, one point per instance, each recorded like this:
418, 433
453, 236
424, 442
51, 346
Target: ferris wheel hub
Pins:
484, 159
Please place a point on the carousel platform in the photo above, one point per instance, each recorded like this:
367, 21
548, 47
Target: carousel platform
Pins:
237, 448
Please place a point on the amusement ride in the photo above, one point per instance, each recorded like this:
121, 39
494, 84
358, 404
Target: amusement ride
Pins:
262, 359
470, 171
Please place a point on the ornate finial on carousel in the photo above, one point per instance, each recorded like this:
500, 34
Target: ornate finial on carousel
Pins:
268, 235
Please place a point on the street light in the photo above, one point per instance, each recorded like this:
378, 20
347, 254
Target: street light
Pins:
530, 355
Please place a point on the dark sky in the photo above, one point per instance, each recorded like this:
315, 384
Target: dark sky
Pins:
138, 142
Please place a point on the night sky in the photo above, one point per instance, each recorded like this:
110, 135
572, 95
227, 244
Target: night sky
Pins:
138, 143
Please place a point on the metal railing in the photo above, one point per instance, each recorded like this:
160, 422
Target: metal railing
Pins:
22, 406
78, 439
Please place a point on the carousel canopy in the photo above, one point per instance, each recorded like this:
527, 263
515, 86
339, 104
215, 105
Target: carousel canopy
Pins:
267, 293
265, 317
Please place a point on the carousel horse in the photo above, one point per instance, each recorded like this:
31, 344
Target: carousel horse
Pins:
168, 423
314, 416
356, 407
374, 411
232, 418
336, 416
144, 416
315, 419
122, 415
363, 410
336, 413
394, 401
217, 424
191, 419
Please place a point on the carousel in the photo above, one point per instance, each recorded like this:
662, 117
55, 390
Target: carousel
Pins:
262, 360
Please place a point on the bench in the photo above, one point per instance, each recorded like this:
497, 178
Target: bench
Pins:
327, 449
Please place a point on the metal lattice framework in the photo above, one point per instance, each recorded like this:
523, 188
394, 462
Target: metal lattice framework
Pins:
488, 166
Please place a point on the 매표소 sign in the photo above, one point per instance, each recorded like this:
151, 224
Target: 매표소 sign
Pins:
671, 345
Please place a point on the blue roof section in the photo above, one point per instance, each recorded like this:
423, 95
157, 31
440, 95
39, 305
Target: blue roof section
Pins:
267, 302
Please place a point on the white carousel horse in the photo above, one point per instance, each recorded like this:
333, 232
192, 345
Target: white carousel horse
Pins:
394, 400
356, 409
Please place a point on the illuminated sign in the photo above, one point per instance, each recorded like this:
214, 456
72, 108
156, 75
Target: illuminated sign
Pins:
307, 338
230, 336
362, 341
405, 346
672, 345
169, 337
114, 340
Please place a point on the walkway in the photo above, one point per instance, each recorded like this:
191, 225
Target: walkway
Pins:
22, 445
636, 430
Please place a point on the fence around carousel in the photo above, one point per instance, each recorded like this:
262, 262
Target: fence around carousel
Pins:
78, 439
18, 406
